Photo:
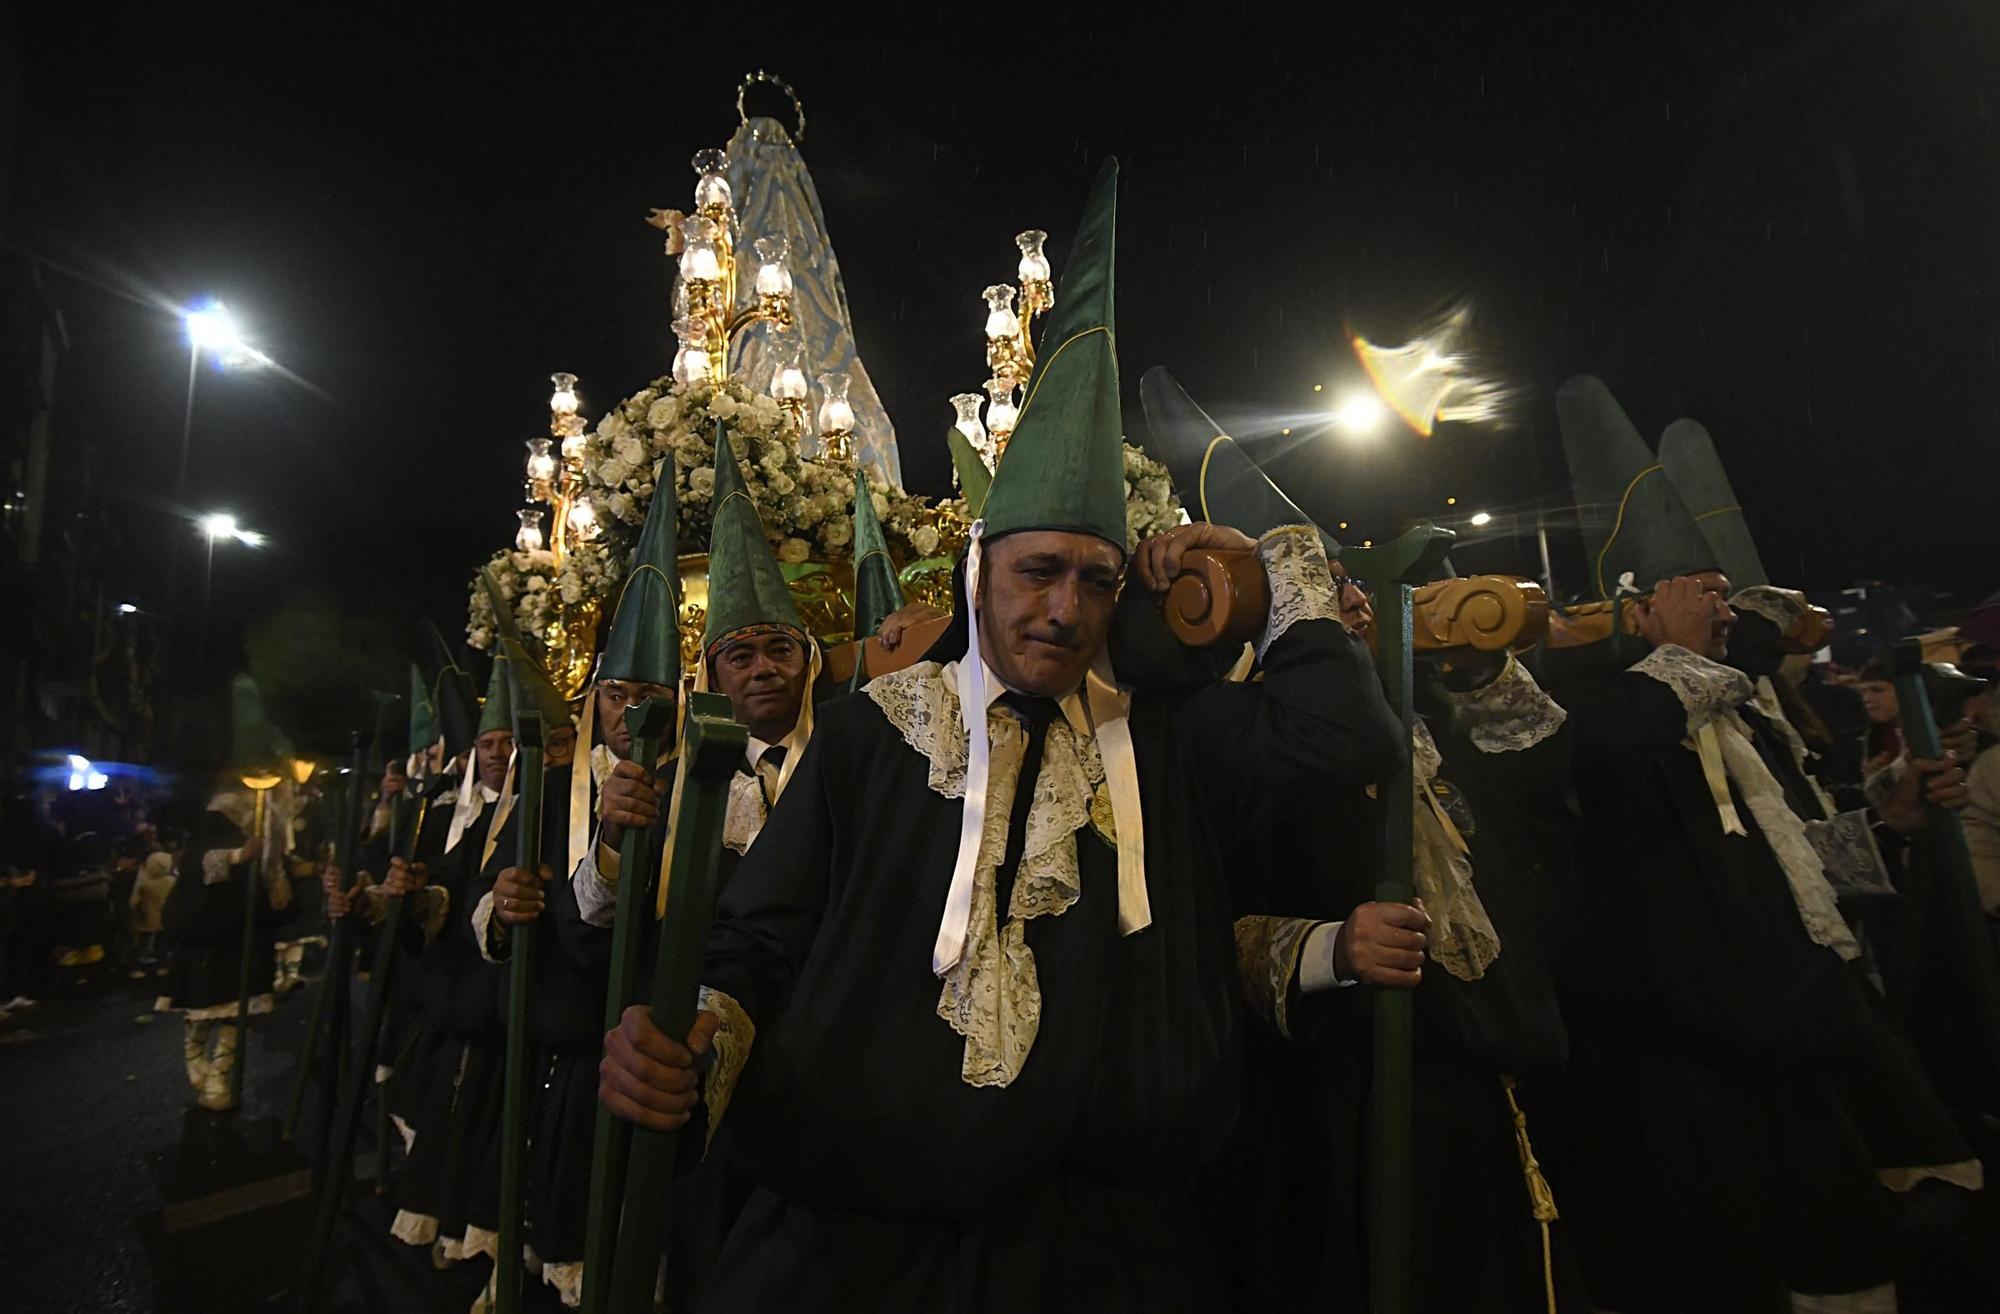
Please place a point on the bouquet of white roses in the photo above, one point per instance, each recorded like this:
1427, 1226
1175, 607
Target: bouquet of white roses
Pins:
527, 584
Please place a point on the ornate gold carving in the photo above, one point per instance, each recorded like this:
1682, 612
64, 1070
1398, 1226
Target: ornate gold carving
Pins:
570, 646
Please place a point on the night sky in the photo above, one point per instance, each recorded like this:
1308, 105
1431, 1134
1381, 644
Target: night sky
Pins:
1779, 219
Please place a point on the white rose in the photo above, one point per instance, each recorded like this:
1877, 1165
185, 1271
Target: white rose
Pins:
794, 550
614, 473
612, 426
722, 406
628, 449
880, 503
625, 508
662, 413
572, 589
701, 482
839, 533
536, 582
782, 484
924, 540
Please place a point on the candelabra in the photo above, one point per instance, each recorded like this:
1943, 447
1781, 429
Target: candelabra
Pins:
707, 318
1010, 350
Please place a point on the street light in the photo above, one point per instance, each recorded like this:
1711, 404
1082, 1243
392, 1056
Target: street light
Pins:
1482, 518
218, 525
1361, 413
212, 328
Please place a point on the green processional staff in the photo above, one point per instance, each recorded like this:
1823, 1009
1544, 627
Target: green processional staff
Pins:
539, 710
327, 1024
643, 647
1944, 891
350, 1080
877, 596
1246, 499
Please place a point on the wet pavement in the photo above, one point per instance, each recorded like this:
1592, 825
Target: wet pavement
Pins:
118, 1195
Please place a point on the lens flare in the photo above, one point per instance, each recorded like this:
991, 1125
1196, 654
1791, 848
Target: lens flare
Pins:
1431, 379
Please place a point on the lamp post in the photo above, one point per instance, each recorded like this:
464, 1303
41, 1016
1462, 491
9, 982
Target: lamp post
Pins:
217, 525
210, 328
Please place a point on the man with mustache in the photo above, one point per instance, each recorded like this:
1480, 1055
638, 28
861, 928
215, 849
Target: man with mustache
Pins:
976, 977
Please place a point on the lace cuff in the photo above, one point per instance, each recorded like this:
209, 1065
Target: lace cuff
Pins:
1267, 962
215, 865
1779, 606
1302, 587
491, 947
1705, 688
1846, 848
1882, 782
728, 1053
1510, 714
596, 892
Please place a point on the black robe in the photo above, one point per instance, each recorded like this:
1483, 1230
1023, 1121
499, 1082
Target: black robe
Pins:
1294, 1196
886, 1182
1699, 1152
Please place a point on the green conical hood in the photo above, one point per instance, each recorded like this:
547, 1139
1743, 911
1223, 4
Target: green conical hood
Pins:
496, 712
423, 714
454, 697
644, 644
1065, 463
1633, 520
1688, 454
745, 587
876, 593
1229, 488
974, 479
254, 743
533, 689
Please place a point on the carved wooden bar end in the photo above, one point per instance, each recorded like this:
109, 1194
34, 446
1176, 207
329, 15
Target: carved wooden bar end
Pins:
1219, 597
1485, 612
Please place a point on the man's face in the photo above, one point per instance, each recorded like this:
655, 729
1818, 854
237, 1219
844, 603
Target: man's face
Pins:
1879, 697
559, 746
1045, 604
613, 697
764, 676
1357, 609
1715, 587
491, 751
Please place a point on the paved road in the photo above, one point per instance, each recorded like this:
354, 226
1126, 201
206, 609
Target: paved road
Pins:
121, 1197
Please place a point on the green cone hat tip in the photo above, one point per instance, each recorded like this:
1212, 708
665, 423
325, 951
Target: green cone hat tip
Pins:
1634, 522
454, 698
1229, 487
1065, 462
644, 644
974, 479
1689, 455
533, 689
423, 714
877, 595
497, 711
746, 590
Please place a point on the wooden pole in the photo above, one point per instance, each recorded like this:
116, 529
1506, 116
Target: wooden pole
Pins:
612, 1138
507, 1267
1394, 570
711, 747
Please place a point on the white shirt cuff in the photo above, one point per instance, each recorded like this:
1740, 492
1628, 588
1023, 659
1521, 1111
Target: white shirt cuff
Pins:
1316, 970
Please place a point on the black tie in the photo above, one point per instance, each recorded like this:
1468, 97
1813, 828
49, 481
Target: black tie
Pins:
767, 779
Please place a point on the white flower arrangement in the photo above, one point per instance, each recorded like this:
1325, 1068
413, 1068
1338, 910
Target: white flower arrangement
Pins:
806, 503
1150, 505
527, 582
